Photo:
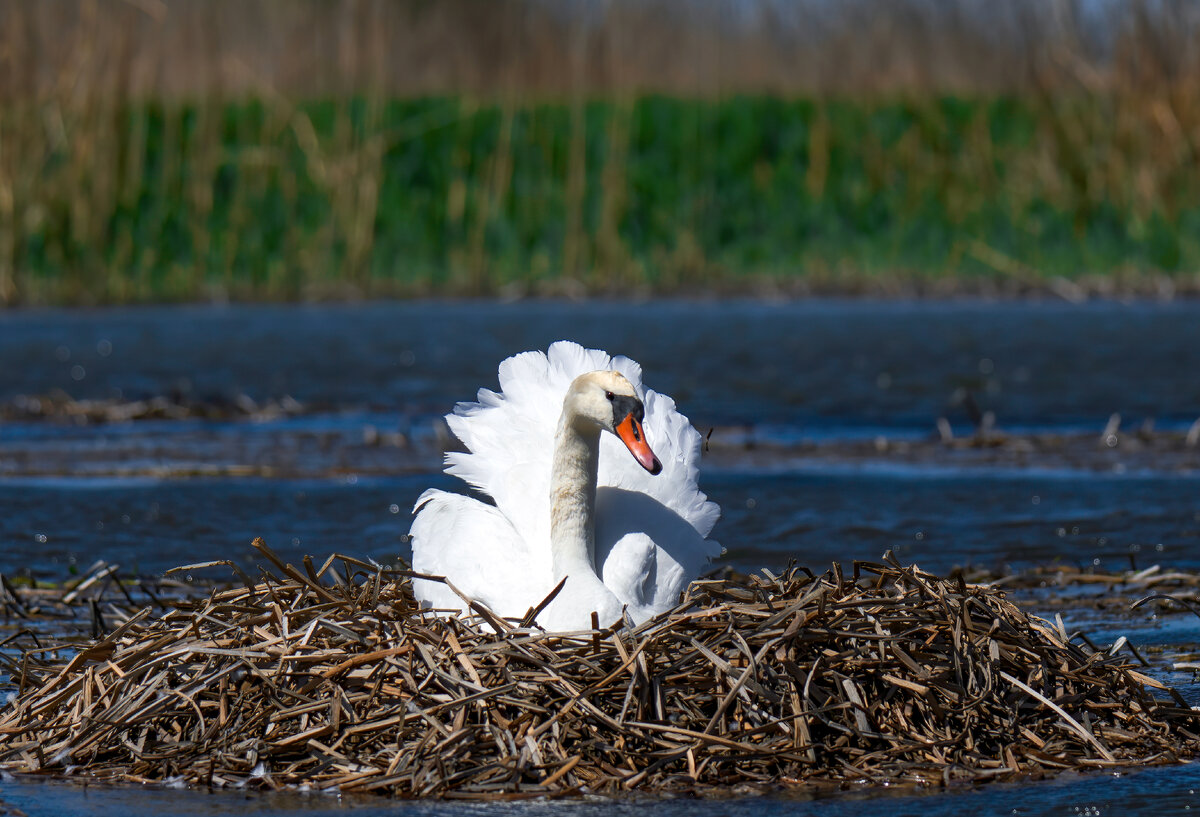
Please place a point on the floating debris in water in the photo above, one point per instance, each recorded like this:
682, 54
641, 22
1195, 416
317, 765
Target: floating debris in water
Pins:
331, 677
177, 406
1150, 450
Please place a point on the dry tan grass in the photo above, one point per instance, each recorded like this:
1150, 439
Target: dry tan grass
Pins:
331, 677
77, 49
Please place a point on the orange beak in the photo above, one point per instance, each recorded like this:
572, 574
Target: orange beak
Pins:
634, 436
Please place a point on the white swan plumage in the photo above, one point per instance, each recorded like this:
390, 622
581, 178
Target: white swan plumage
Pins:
630, 546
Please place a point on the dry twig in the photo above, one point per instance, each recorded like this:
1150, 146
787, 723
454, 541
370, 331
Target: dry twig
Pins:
884, 674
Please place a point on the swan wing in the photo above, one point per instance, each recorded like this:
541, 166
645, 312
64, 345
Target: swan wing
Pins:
509, 434
650, 529
474, 545
677, 444
647, 551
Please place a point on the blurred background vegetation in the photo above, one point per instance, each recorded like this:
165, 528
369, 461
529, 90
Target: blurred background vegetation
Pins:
157, 150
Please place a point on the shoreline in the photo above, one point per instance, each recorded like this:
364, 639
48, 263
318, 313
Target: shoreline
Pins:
866, 287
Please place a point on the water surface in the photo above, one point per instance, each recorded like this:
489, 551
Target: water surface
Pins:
824, 370
152, 495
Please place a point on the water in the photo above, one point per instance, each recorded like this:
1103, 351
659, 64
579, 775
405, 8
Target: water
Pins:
937, 520
153, 495
1144, 793
813, 365
825, 371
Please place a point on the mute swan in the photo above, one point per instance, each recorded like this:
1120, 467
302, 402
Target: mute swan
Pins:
569, 498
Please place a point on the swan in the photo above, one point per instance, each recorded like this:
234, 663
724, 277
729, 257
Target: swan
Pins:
594, 483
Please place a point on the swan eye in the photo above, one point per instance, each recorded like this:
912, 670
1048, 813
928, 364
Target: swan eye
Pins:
609, 395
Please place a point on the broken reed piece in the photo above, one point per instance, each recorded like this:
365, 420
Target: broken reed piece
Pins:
1110, 437
334, 679
1193, 434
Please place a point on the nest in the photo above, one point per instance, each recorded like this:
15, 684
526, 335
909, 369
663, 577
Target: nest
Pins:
333, 678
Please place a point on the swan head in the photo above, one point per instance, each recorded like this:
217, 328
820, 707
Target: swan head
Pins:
608, 400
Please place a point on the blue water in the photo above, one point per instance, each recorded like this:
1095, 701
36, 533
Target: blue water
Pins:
936, 519
824, 370
805, 364
830, 371
1145, 793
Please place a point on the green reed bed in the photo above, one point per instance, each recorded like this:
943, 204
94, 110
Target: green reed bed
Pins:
123, 201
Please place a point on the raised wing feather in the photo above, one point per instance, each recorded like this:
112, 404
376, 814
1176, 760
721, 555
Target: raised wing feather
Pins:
510, 434
510, 440
479, 551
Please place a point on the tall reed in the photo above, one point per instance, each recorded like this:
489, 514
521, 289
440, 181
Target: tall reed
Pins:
177, 151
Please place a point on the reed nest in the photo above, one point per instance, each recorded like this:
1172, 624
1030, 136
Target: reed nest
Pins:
331, 677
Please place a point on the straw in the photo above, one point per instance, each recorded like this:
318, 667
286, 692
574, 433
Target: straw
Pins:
334, 678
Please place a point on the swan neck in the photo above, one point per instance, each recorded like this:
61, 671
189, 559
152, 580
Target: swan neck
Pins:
573, 496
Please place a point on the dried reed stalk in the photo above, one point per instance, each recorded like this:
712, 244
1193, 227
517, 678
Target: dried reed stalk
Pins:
333, 678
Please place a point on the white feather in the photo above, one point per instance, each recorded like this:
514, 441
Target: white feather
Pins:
650, 530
